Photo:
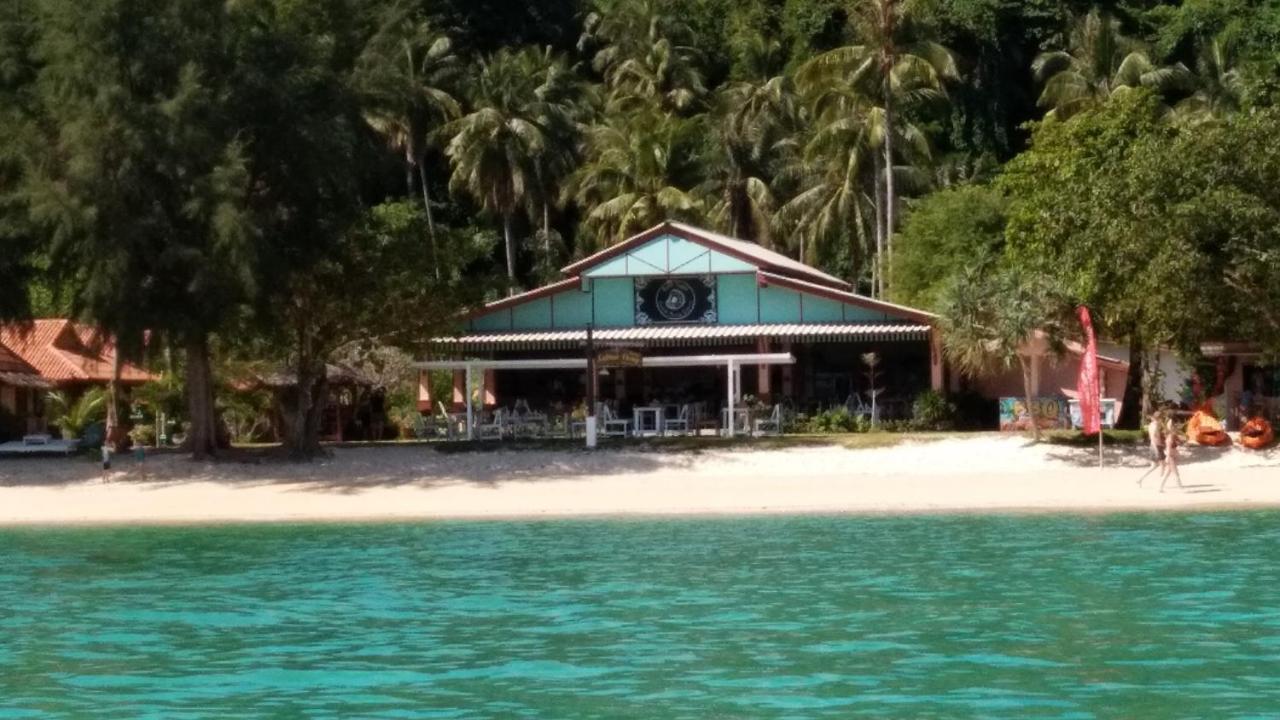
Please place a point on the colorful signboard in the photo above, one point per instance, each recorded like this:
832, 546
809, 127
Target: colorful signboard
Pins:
1110, 409
1050, 413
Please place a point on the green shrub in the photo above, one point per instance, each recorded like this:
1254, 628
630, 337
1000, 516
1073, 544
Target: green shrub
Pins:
73, 418
144, 434
932, 411
837, 420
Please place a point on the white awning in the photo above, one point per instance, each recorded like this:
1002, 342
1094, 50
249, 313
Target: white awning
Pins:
675, 335
581, 363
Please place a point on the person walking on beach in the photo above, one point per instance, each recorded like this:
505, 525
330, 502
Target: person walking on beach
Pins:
1155, 436
1170, 453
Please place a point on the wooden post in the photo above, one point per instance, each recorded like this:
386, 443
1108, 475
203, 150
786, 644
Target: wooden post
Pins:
471, 423
424, 391
591, 389
461, 390
936, 375
763, 390
731, 385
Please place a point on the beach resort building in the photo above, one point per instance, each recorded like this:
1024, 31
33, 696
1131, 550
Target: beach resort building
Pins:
680, 316
54, 354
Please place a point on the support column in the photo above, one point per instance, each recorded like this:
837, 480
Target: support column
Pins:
936, 375
490, 388
763, 391
731, 384
424, 391
788, 378
471, 416
461, 390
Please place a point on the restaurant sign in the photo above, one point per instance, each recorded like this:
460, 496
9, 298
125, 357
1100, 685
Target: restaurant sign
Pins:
675, 300
618, 358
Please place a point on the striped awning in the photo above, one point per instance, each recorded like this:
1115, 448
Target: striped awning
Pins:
686, 335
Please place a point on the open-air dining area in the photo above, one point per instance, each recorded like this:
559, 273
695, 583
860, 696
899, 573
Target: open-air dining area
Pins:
552, 416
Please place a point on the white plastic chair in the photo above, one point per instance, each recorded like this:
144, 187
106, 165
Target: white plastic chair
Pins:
612, 424
495, 428
771, 425
680, 423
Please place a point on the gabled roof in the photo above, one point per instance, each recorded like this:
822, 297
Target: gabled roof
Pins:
743, 250
64, 351
11, 363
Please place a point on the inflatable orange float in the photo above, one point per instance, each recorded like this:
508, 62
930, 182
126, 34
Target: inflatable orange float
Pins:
1204, 429
1256, 434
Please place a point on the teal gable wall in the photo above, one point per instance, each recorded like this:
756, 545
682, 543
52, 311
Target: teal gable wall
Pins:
736, 300
571, 309
533, 315
614, 300
672, 255
778, 305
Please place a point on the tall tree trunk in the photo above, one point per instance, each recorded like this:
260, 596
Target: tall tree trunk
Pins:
113, 401
546, 232
1131, 410
511, 253
431, 223
877, 266
202, 437
889, 196
1025, 363
302, 436
858, 244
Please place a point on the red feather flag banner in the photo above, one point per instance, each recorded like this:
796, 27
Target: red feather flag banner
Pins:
1087, 387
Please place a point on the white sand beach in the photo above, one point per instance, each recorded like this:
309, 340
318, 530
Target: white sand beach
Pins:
985, 473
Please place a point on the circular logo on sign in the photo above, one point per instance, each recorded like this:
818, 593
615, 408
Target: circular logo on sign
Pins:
676, 300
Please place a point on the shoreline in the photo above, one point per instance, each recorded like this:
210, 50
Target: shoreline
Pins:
391, 484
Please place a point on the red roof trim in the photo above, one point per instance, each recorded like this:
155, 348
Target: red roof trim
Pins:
535, 294
688, 233
767, 279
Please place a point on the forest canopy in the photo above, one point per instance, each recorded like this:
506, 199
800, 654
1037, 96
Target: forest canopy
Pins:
206, 173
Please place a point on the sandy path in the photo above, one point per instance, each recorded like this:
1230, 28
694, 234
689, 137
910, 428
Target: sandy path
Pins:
958, 475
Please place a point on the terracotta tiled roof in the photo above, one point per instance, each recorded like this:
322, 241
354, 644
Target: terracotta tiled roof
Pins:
65, 351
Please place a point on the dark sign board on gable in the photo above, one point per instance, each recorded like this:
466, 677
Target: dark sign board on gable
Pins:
675, 300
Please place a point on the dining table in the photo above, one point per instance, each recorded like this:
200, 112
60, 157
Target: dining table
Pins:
647, 419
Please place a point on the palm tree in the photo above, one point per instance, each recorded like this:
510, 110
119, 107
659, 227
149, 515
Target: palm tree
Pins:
635, 174
1099, 62
73, 416
507, 148
757, 122
846, 155
646, 56
407, 73
988, 317
1219, 85
891, 73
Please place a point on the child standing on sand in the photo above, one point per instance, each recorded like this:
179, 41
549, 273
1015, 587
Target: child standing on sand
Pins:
1170, 453
1155, 435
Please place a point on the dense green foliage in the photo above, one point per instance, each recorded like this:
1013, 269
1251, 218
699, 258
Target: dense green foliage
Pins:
284, 179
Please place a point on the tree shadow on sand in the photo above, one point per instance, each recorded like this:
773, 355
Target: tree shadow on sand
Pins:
351, 470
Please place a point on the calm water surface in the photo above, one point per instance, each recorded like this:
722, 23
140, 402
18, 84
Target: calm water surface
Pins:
1124, 616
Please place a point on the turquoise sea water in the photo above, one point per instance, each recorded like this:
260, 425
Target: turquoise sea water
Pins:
1123, 616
